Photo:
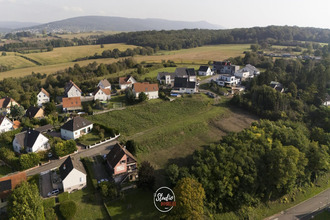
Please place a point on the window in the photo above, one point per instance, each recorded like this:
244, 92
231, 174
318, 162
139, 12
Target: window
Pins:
81, 179
123, 161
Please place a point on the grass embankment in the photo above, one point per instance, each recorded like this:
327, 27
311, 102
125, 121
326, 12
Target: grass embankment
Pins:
325, 215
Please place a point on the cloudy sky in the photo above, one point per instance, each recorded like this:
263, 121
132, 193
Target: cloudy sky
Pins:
229, 13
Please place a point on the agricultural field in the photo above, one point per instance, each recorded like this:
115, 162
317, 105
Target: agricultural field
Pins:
86, 34
14, 61
61, 58
169, 132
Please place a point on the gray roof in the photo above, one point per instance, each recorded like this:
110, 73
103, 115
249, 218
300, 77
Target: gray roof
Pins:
76, 123
183, 72
183, 83
27, 138
203, 68
249, 68
115, 155
68, 165
45, 128
161, 75
105, 82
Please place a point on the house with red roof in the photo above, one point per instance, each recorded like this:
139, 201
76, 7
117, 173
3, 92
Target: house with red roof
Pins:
71, 104
43, 97
102, 94
6, 103
126, 82
151, 90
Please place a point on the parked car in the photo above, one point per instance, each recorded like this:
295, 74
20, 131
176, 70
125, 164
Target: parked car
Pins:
50, 155
54, 192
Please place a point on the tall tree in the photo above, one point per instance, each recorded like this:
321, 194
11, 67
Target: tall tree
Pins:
189, 197
25, 203
146, 175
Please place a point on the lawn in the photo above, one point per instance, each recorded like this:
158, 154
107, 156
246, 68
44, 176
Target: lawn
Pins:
4, 170
325, 215
154, 73
137, 204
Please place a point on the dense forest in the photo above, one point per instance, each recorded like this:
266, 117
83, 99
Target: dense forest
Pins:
174, 40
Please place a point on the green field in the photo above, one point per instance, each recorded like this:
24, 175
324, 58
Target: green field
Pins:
15, 61
137, 204
60, 58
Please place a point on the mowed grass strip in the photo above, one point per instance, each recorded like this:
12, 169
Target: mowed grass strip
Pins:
68, 54
15, 61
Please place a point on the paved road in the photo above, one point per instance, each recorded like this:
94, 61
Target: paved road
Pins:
305, 210
99, 150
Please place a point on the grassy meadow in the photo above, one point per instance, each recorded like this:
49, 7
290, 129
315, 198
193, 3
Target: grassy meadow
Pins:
61, 58
15, 61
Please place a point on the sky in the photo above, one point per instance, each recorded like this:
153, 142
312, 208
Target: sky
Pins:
229, 13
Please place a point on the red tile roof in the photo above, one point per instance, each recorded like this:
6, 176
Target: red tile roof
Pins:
15, 179
17, 124
123, 80
71, 102
106, 91
145, 87
45, 92
5, 102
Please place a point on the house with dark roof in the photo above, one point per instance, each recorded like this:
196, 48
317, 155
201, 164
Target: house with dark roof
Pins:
73, 175
151, 90
205, 71
277, 86
102, 94
72, 90
122, 164
43, 97
71, 104
126, 82
6, 103
30, 141
184, 72
75, 128
7, 184
166, 78
6, 124
34, 112
104, 84
183, 85
224, 67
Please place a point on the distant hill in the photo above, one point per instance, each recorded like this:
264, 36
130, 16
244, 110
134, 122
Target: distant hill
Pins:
11, 25
105, 23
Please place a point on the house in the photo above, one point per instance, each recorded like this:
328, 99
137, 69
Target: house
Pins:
224, 67
151, 90
327, 100
45, 128
126, 82
242, 74
248, 71
5, 124
104, 84
252, 70
72, 90
237, 89
43, 97
166, 78
7, 184
75, 128
30, 141
277, 86
205, 71
102, 94
183, 72
227, 80
73, 175
6, 103
122, 164
183, 85
71, 104
34, 112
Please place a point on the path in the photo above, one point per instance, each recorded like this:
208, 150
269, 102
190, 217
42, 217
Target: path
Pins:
305, 210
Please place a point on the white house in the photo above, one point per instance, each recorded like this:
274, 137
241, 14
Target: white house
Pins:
126, 82
242, 74
73, 175
205, 71
6, 103
227, 80
327, 100
151, 90
76, 128
31, 141
183, 85
252, 70
5, 124
104, 84
102, 94
43, 97
72, 90
166, 78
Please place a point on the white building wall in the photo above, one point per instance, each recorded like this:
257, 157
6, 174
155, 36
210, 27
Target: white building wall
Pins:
42, 98
6, 125
40, 144
74, 92
101, 96
75, 180
66, 135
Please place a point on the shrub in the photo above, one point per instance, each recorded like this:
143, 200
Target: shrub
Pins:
29, 160
50, 214
63, 197
68, 209
49, 203
109, 190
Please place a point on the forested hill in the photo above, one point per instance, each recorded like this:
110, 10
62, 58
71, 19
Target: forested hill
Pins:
107, 23
169, 40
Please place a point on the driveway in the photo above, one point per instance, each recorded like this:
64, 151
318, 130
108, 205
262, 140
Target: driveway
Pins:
99, 168
46, 185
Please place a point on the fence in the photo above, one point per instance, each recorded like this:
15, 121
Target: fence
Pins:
102, 142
